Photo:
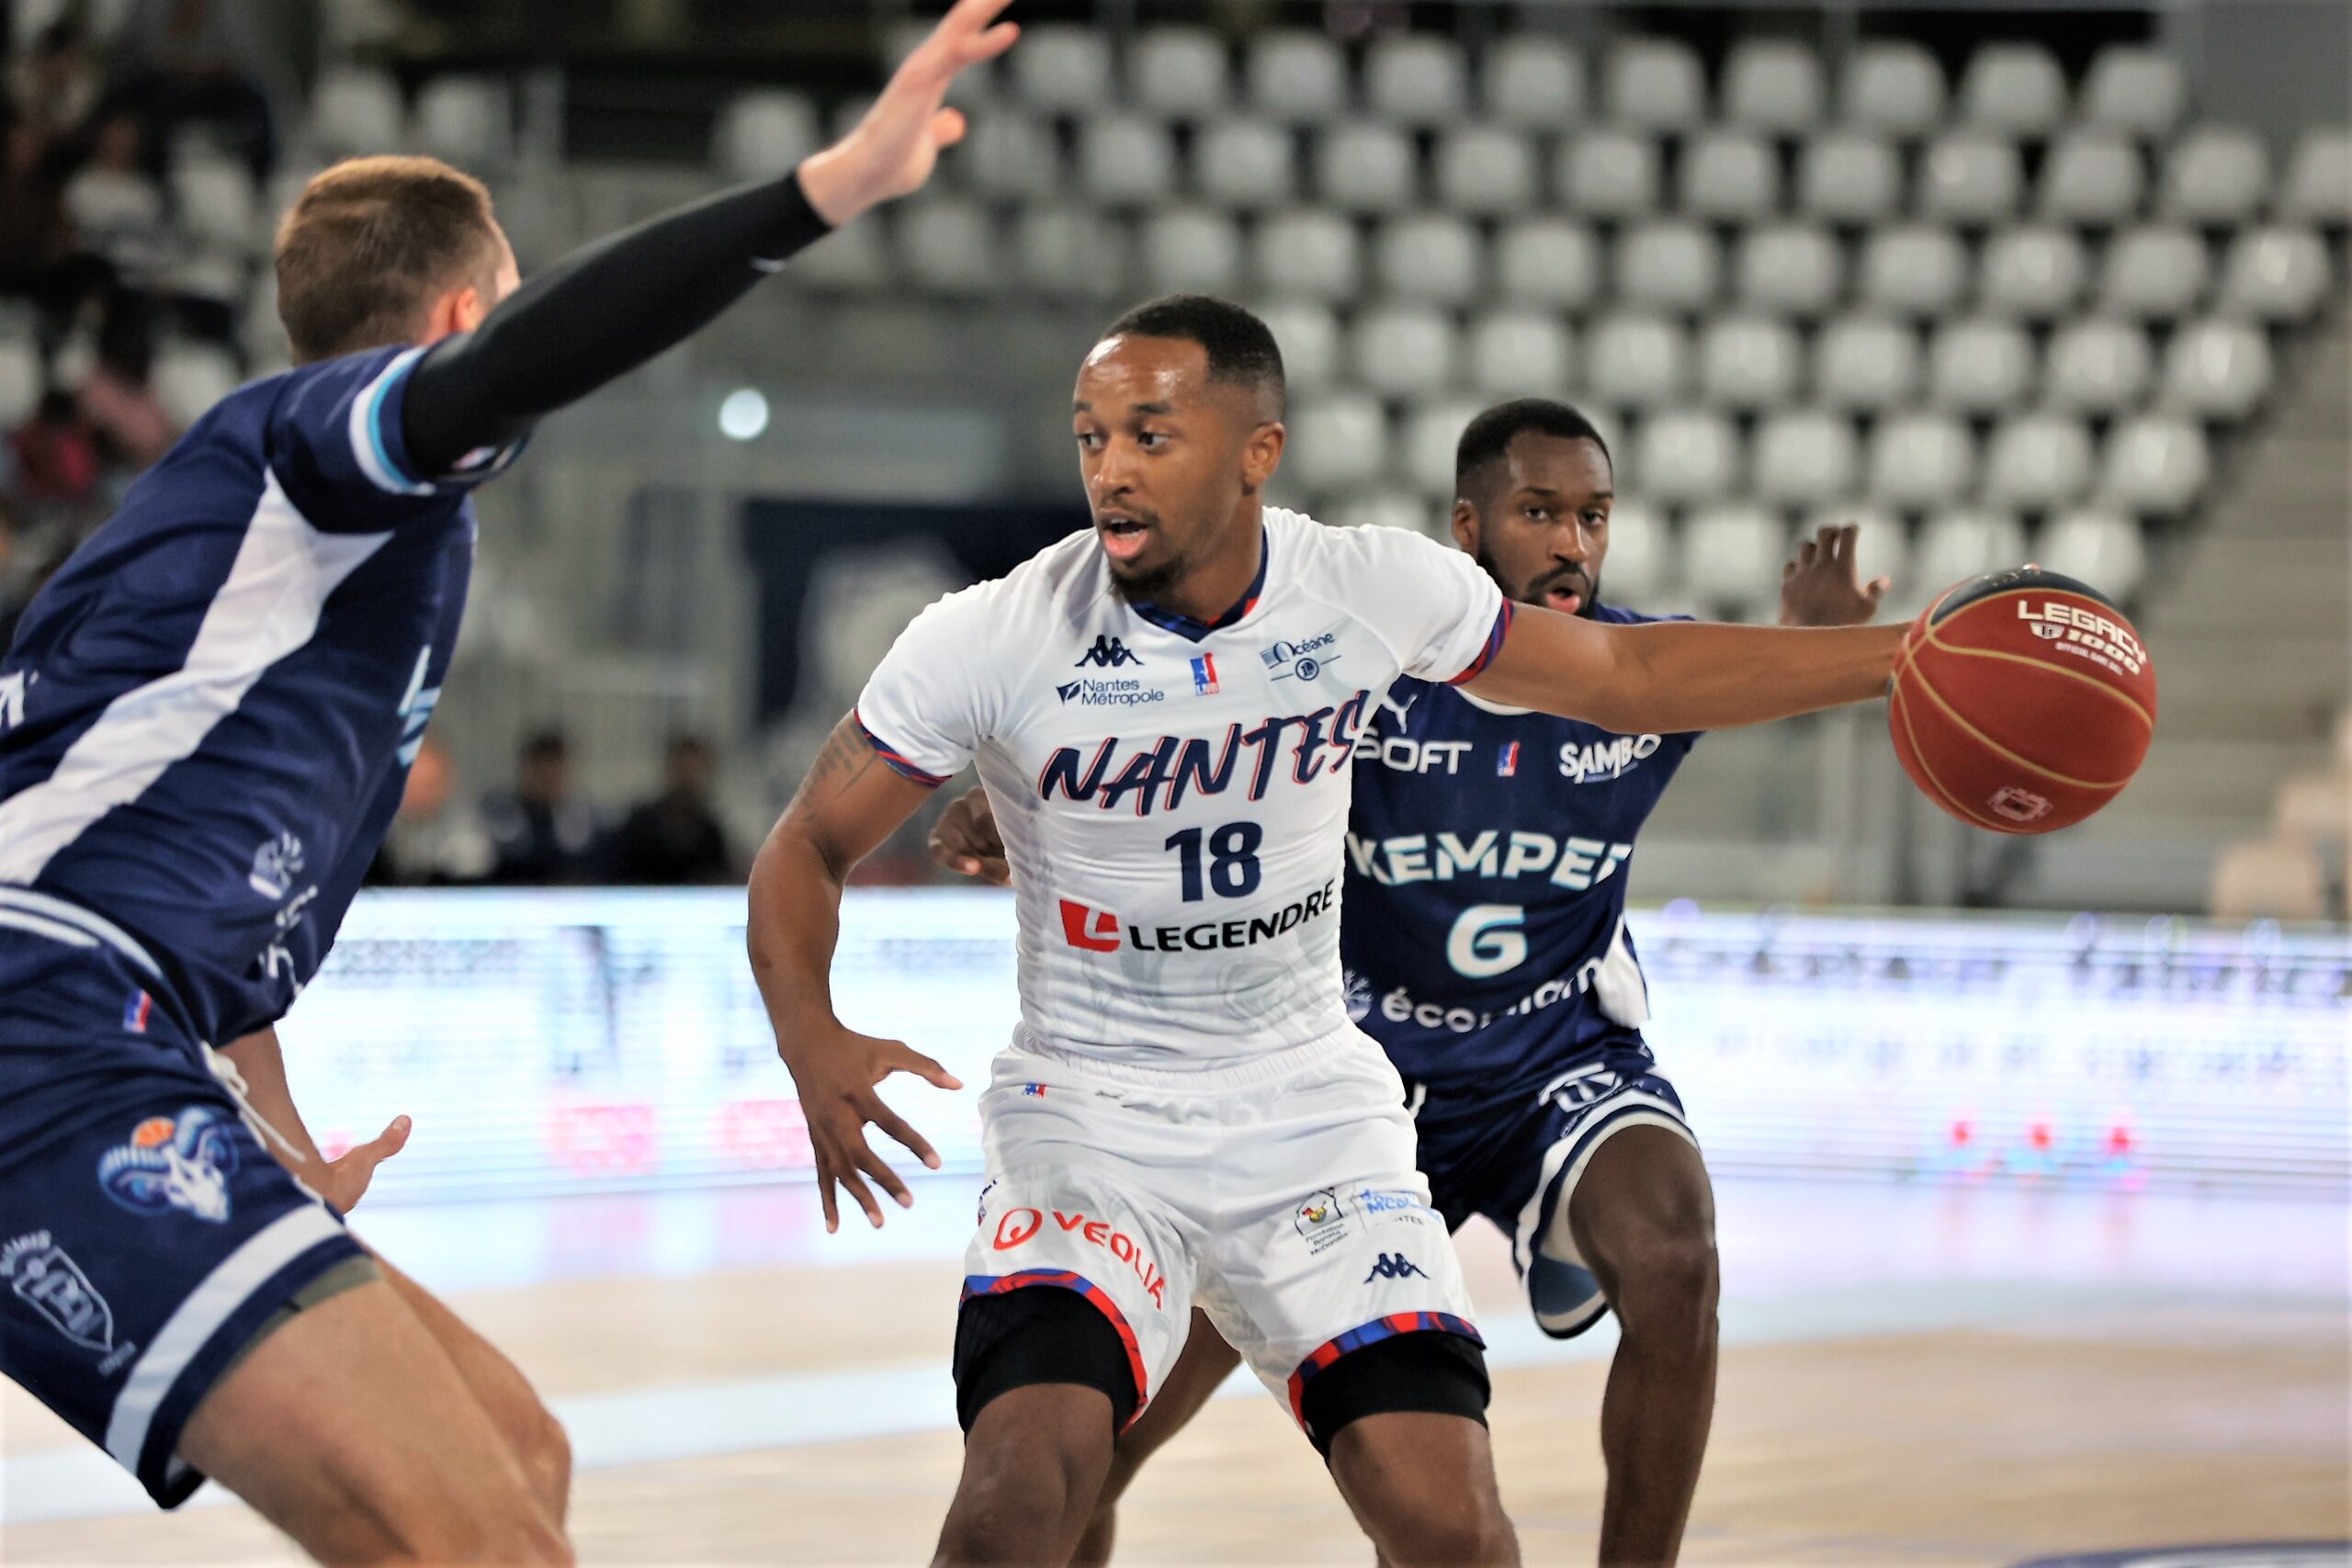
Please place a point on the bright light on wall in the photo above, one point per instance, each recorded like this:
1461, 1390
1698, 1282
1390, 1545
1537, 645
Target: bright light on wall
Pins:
744, 415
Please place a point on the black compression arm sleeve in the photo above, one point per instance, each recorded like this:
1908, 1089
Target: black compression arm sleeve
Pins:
597, 313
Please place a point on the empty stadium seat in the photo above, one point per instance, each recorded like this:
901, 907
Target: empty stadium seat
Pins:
1979, 366
1519, 352
1894, 86
2133, 89
1308, 254
1636, 361
761, 134
2035, 273
216, 202
2217, 369
1248, 163
2098, 546
1805, 458
1748, 362
2318, 186
19, 381
1190, 250
1686, 456
1062, 68
1609, 174
2096, 367
1655, 84
1405, 351
2267, 879
466, 119
1336, 439
1913, 270
853, 258
1669, 266
2275, 273
1534, 82
1728, 176
1547, 261
1487, 170
1125, 160
1365, 167
1415, 79
1076, 251
190, 378
1429, 258
2155, 272
1431, 435
2156, 465
1772, 85
2092, 176
1180, 72
1964, 542
948, 246
1732, 554
1297, 78
1920, 459
1308, 335
2215, 176
1849, 176
1866, 363
357, 111
2315, 808
1641, 554
1388, 508
1012, 154
1793, 269
1970, 177
2037, 461
2014, 89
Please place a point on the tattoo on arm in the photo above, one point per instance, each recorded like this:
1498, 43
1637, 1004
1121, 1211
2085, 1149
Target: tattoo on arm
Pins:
844, 760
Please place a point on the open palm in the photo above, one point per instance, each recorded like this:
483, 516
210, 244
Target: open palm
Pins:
894, 149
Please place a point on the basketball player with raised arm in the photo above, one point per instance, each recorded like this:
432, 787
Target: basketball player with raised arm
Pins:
1486, 949
206, 721
1184, 1079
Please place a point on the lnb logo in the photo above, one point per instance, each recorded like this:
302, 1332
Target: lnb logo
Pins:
1096, 930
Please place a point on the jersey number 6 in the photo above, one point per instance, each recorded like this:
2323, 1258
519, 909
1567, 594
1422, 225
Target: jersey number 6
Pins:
1487, 940
1233, 867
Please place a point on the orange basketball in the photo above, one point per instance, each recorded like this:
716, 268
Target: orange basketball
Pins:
2022, 702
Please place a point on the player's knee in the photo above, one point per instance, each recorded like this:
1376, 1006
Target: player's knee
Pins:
1667, 1286
1032, 1469
545, 1449
1454, 1532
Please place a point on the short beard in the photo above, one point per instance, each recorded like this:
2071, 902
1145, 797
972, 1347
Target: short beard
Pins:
1151, 584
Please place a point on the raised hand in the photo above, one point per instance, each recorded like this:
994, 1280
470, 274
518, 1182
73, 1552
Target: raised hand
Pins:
345, 1181
1822, 587
837, 1073
895, 147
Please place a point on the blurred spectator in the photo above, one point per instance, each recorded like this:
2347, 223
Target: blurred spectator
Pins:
197, 61
56, 456
675, 836
116, 209
38, 257
543, 835
55, 85
119, 399
436, 839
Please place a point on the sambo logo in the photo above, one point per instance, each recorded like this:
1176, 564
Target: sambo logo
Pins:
180, 1162
1016, 1226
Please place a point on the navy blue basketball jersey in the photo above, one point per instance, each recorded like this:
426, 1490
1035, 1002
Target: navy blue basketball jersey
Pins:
1485, 937
207, 717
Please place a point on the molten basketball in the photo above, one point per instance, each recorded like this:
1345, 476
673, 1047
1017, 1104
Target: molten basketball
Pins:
2022, 700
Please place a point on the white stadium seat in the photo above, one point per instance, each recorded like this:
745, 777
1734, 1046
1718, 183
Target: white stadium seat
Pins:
2096, 367
1386, 508
465, 119
1406, 351
1415, 79
2100, 547
1336, 439
1429, 258
1364, 166
1433, 433
1190, 250
2155, 463
2318, 186
2037, 461
216, 202
1894, 88
1732, 554
948, 246
1297, 78
2278, 879
2014, 89
2217, 369
2277, 274
1057, 250
1793, 269
1913, 270
1308, 335
355, 111
1655, 83
1308, 254
1534, 82
1641, 554
1970, 177
1728, 176
2216, 175
1849, 176
1547, 261
190, 378
1772, 85
2135, 90
1979, 366
1487, 170
1866, 364
2092, 176
762, 133
1669, 266
1180, 70
1245, 164
2035, 273
1125, 160
1966, 542
1062, 68
1805, 458
1013, 154
1688, 456
1748, 362
19, 381
1636, 361
1921, 460
2155, 272
1517, 352
854, 258
1609, 174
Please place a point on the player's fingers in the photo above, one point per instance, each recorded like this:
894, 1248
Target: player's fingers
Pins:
895, 1127
863, 1196
1877, 589
989, 45
1807, 553
998, 871
825, 1193
874, 1165
904, 1058
947, 128
1847, 534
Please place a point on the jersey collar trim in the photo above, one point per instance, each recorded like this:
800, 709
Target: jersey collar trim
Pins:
1194, 630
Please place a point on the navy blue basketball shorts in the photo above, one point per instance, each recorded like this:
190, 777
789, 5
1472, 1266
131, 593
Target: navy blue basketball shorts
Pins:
1517, 1159
148, 1238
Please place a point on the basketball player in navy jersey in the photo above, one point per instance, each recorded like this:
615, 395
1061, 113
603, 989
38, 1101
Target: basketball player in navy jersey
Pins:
206, 722
1486, 946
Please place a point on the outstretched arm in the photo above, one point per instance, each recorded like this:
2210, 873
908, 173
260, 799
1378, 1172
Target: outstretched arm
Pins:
606, 309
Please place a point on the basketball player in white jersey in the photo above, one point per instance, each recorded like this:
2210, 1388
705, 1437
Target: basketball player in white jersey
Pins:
1163, 710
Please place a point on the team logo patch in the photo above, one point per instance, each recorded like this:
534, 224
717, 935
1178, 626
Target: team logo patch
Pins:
180, 1162
1096, 930
1322, 1219
1304, 659
1507, 764
1069, 689
136, 1011
53, 1285
1395, 1266
275, 865
1205, 675
1108, 653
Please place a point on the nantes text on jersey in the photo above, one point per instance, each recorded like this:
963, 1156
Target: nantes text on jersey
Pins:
214, 703
1494, 843
1174, 792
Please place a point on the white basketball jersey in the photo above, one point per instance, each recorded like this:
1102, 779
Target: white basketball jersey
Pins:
1173, 794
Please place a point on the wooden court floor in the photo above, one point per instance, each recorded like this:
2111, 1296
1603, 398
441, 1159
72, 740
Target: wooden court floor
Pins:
2144, 1424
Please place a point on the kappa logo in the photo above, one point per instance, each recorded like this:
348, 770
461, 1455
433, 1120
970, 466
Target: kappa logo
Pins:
53, 1285
1108, 653
180, 1162
1395, 1266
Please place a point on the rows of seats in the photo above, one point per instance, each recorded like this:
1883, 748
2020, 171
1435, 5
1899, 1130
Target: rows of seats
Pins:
2301, 870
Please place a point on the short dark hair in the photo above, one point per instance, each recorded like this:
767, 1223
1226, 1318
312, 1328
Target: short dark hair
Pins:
369, 245
1489, 435
1240, 347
